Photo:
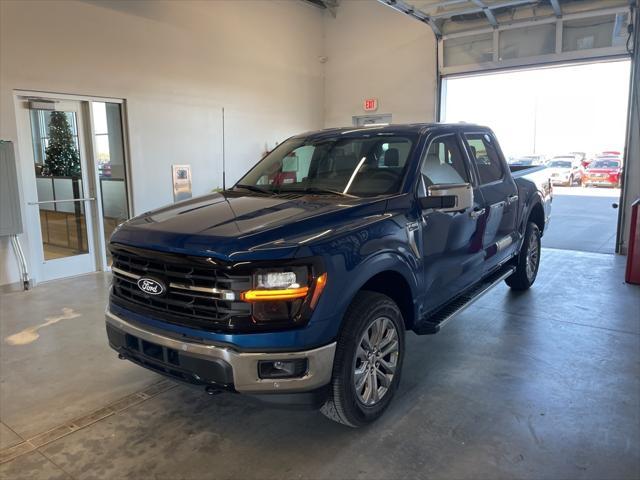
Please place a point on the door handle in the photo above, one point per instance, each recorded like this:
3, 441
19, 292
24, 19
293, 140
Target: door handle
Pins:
512, 198
477, 213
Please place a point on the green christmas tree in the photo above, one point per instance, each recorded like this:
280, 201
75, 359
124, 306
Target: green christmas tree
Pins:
61, 155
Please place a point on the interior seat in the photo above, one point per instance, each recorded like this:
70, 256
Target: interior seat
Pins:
438, 173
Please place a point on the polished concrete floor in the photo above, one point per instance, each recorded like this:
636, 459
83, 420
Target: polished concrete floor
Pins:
541, 385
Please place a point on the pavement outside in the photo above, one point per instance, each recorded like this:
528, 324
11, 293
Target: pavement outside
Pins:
583, 219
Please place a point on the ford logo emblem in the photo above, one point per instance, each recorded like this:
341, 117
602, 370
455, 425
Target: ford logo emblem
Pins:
150, 286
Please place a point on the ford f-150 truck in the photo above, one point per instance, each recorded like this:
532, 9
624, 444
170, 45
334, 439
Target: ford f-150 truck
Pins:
297, 284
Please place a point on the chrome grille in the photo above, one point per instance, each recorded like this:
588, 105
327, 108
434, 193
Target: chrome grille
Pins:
196, 295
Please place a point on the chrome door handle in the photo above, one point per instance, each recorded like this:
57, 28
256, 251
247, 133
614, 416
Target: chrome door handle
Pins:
88, 199
512, 198
477, 213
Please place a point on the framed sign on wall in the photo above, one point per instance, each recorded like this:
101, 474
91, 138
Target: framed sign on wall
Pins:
181, 177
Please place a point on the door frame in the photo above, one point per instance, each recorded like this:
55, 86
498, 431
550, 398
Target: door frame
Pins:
27, 176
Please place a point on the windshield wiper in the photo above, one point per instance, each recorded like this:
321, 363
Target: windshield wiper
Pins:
319, 191
255, 188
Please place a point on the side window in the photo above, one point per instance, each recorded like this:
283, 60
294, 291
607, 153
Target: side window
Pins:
485, 154
444, 162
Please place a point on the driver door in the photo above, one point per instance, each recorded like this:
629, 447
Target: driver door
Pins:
451, 241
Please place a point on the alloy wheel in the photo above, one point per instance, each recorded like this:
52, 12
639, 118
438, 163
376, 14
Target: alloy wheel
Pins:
375, 361
533, 256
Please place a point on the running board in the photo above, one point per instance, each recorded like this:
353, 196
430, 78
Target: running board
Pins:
434, 322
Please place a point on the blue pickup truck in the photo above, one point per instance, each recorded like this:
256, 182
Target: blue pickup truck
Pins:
296, 285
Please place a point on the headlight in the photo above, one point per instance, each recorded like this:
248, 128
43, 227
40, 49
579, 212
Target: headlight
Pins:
278, 284
284, 294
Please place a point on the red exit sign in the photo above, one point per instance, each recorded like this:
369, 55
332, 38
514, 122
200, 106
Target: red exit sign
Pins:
370, 104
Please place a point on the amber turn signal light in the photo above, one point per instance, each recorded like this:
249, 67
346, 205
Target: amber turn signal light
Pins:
275, 294
321, 282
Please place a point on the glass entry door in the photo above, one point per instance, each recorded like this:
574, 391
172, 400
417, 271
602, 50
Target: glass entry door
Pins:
61, 200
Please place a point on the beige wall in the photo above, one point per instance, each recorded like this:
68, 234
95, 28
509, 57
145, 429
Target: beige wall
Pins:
176, 64
374, 51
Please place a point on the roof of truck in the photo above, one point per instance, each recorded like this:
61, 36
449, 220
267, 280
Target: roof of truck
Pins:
388, 129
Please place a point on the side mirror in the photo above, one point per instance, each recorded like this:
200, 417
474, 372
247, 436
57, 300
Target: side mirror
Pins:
448, 197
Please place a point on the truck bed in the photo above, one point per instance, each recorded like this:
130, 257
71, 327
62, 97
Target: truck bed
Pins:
523, 170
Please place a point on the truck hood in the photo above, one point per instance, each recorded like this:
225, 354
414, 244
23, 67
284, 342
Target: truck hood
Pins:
235, 227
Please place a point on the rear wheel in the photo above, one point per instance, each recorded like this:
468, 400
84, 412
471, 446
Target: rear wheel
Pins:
368, 361
527, 261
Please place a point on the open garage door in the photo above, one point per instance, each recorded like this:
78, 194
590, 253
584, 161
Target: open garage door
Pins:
483, 44
481, 35
571, 119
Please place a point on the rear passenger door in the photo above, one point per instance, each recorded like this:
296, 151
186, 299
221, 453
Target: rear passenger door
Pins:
500, 195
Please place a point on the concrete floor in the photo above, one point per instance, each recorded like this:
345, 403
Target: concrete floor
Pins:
583, 219
544, 384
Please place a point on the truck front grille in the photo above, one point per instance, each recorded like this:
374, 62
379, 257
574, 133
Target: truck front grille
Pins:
196, 294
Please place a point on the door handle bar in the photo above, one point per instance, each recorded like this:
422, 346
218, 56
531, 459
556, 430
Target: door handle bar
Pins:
477, 213
88, 199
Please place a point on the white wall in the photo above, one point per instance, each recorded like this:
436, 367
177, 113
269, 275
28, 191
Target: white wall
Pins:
375, 51
176, 64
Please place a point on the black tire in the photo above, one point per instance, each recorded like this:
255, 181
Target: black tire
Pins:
524, 277
571, 181
344, 404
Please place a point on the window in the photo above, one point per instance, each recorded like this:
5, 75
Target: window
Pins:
468, 50
293, 168
444, 163
365, 165
485, 154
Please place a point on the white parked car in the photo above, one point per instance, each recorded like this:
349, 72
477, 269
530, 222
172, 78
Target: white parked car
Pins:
565, 170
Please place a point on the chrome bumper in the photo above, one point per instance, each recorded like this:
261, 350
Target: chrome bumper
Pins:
245, 364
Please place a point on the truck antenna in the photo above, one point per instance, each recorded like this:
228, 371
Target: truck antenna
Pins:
224, 183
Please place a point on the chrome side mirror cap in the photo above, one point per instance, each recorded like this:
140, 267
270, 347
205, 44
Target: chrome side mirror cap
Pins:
448, 197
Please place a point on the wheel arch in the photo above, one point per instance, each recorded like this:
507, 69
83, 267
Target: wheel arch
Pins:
536, 215
395, 286
390, 274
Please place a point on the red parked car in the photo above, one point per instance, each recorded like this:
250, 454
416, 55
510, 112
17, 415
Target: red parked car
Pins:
606, 172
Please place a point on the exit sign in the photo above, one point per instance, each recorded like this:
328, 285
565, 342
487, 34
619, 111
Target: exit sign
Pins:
370, 104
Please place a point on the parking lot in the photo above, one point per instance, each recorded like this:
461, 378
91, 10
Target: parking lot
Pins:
583, 219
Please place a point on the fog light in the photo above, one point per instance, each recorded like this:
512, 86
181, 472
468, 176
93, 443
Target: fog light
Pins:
282, 368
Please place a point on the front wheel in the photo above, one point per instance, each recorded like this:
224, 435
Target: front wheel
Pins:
527, 261
368, 361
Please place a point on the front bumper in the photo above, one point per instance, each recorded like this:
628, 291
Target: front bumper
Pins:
215, 365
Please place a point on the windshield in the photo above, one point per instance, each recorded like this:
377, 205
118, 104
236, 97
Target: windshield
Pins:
560, 164
604, 164
363, 166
